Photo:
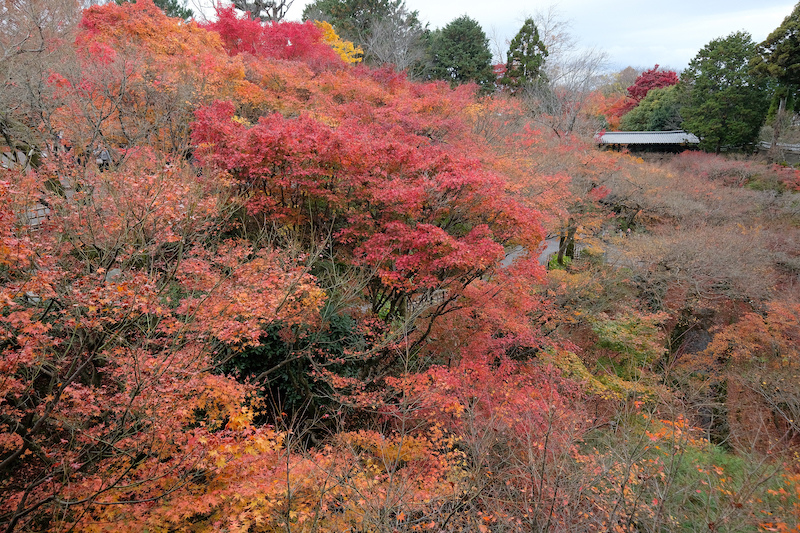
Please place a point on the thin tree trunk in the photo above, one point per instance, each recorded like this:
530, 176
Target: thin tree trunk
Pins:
566, 242
776, 129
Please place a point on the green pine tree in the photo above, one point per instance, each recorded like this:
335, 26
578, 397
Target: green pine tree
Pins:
779, 58
728, 101
526, 57
460, 54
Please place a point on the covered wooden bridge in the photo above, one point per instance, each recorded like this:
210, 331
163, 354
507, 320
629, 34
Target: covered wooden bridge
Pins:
654, 141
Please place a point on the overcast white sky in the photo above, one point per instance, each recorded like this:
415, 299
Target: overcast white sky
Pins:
636, 33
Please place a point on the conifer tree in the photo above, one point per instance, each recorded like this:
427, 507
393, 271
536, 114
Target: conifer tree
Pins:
727, 101
460, 54
526, 57
779, 57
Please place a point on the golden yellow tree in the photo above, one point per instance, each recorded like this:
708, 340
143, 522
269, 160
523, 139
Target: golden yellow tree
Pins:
346, 49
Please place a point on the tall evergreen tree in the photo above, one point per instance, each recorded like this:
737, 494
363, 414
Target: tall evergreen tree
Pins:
728, 101
460, 54
526, 56
779, 57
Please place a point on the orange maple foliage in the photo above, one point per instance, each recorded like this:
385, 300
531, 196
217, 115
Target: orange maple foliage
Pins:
610, 107
126, 291
139, 75
112, 314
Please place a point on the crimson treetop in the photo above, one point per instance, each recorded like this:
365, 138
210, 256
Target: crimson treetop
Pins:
649, 80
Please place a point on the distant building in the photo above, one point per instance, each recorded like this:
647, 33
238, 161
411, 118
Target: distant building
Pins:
652, 141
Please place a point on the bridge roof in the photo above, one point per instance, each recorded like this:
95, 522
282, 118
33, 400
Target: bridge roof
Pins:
646, 137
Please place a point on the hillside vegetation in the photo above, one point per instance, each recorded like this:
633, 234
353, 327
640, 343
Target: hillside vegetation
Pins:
303, 294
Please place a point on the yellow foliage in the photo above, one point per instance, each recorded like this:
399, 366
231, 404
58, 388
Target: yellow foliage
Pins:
221, 402
391, 450
572, 366
347, 50
241, 120
606, 385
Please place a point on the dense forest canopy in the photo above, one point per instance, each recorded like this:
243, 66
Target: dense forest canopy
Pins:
258, 275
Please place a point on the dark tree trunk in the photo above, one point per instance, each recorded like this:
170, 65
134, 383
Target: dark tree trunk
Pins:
566, 242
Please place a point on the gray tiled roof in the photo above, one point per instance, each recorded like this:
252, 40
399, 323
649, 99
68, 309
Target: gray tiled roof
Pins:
647, 137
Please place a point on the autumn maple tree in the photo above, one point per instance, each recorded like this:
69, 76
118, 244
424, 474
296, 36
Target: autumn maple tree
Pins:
309, 295
427, 221
113, 310
133, 285
755, 354
137, 76
647, 81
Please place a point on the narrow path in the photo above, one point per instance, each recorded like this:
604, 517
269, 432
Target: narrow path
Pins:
550, 248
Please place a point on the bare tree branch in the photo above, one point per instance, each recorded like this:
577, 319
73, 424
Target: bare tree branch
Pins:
268, 10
